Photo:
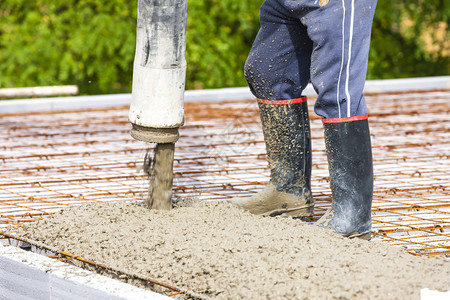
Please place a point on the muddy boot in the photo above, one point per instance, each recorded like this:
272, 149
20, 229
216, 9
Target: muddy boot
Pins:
288, 143
351, 178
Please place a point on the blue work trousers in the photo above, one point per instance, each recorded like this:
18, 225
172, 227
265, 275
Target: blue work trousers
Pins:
325, 42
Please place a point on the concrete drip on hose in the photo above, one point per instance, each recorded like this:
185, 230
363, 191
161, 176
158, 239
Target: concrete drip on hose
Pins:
223, 252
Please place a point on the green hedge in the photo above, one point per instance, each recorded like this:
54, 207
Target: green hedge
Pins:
410, 39
91, 42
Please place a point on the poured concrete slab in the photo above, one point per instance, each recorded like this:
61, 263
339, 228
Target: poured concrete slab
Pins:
50, 160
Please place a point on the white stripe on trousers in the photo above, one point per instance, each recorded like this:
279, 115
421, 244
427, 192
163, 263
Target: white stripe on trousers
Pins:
352, 18
347, 93
342, 59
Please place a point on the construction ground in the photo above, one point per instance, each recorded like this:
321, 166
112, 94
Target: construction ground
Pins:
65, 156
50, 160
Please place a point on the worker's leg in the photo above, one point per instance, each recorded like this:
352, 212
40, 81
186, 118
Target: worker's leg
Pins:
340, 31
351, 177
277, 70
334, 53
277, 67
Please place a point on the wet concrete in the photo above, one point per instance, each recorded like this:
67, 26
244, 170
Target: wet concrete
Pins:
223, 252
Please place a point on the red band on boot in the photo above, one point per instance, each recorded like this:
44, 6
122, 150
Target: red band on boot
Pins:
348, 119
282, 102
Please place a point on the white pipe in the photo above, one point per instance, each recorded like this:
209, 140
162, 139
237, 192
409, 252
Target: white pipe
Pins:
159, 65
39, 91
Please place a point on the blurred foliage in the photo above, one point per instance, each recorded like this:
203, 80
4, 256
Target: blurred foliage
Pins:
91, 42
220, 34
85, 42
410, 39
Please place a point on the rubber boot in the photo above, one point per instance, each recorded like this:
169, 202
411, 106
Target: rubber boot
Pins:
351, 178
287, 135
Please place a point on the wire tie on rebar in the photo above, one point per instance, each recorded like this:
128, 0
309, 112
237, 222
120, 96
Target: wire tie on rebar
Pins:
67, 259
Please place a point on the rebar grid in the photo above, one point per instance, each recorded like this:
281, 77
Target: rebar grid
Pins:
51, 160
